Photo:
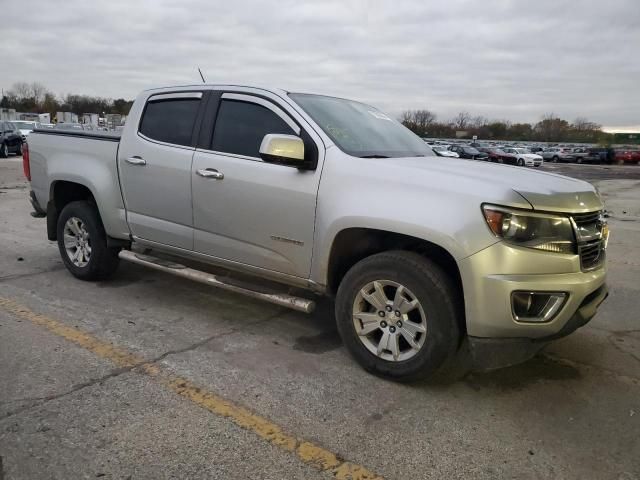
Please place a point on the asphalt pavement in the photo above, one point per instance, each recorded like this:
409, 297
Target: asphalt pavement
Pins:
151, 376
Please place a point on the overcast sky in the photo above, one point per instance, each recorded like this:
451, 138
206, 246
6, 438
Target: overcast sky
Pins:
502, 59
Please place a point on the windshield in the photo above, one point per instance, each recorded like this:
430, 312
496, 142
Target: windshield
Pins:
361, 130
471, 150
439, 148
522, 150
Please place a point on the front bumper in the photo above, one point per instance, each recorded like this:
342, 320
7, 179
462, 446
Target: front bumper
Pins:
488, 281
491, 353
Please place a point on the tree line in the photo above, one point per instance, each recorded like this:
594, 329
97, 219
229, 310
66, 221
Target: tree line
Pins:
36, 98
550, 128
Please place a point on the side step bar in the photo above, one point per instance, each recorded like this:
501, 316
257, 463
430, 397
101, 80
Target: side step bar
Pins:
282, 299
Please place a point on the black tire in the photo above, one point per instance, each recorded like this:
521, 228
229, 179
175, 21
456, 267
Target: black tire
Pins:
555, 159
521, 162
103, 260
437, 296
19, 149
4, 150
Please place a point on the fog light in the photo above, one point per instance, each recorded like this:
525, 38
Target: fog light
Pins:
536, 307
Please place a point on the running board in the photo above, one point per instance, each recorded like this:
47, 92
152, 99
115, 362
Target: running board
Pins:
282, 299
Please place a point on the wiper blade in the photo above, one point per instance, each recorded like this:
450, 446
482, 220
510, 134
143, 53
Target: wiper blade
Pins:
374, 156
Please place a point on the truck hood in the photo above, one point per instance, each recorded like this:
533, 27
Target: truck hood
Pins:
495, 182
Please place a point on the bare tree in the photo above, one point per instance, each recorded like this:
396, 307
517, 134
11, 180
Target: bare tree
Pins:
461, 120
424, 119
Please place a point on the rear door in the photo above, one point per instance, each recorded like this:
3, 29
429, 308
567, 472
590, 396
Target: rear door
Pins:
254, 213
155, 169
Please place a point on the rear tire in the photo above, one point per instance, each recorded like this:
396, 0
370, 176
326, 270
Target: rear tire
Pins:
555, 159
82, 242
432, 324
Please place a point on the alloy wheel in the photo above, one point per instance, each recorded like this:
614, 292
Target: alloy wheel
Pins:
77, 242
389, 320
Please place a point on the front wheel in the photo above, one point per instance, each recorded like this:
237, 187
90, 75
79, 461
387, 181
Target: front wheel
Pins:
19, 149
4, 150
397, 315
521, 162
555, 159
82, 242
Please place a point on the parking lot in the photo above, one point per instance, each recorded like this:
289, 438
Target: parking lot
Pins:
151, 376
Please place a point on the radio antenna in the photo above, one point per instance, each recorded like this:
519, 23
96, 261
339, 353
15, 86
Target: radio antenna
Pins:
201, 76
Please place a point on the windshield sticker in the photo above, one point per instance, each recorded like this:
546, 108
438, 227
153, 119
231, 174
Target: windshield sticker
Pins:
379, 115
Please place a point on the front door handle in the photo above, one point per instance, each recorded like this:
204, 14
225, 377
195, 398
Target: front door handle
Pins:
210, 173
135, 160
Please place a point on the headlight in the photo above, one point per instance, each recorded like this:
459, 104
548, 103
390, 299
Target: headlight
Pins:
552, 233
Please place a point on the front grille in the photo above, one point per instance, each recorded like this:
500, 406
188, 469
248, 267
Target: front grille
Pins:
586, 218
591, 254
590, 240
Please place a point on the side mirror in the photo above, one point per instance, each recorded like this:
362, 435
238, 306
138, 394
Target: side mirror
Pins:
284, 150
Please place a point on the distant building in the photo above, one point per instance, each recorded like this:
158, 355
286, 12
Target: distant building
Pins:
90, 119
626, 138
8, 114
66, 117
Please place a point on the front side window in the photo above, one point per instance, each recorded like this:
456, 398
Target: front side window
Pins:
241, 126
361, 130
170, 121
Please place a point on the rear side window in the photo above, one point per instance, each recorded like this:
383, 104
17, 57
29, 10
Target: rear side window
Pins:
241, 126
170, 121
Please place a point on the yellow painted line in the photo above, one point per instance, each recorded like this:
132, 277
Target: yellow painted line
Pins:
308, 452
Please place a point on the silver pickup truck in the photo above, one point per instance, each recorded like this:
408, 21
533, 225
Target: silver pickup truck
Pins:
284, 196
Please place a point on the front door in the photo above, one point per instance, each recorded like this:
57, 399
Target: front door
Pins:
154, 164
251, 212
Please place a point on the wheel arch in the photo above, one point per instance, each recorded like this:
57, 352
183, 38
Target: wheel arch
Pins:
354, 244
61, 193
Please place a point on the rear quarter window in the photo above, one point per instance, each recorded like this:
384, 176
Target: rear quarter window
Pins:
170, 121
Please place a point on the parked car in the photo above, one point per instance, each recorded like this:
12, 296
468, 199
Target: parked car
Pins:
10, 139
627, 155
599, 155
580, 154
448, 258
524, 157
535, 149
443, 151
557, 154
465, 151
500, 156
25, 127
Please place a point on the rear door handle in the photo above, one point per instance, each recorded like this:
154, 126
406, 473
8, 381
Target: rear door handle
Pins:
210, 173
135, 160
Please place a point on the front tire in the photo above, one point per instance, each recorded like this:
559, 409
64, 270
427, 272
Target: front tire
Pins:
397, 315
19, 149
82, 242
555, 159
4, 151
521, 162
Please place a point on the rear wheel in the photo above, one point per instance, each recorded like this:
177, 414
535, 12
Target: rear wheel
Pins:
4, 151
82, 242
555, 159
396, 313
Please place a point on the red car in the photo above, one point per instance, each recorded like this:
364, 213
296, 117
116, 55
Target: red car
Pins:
627, 155
497, 155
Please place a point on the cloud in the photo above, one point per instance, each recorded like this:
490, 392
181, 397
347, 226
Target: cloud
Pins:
501, 59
